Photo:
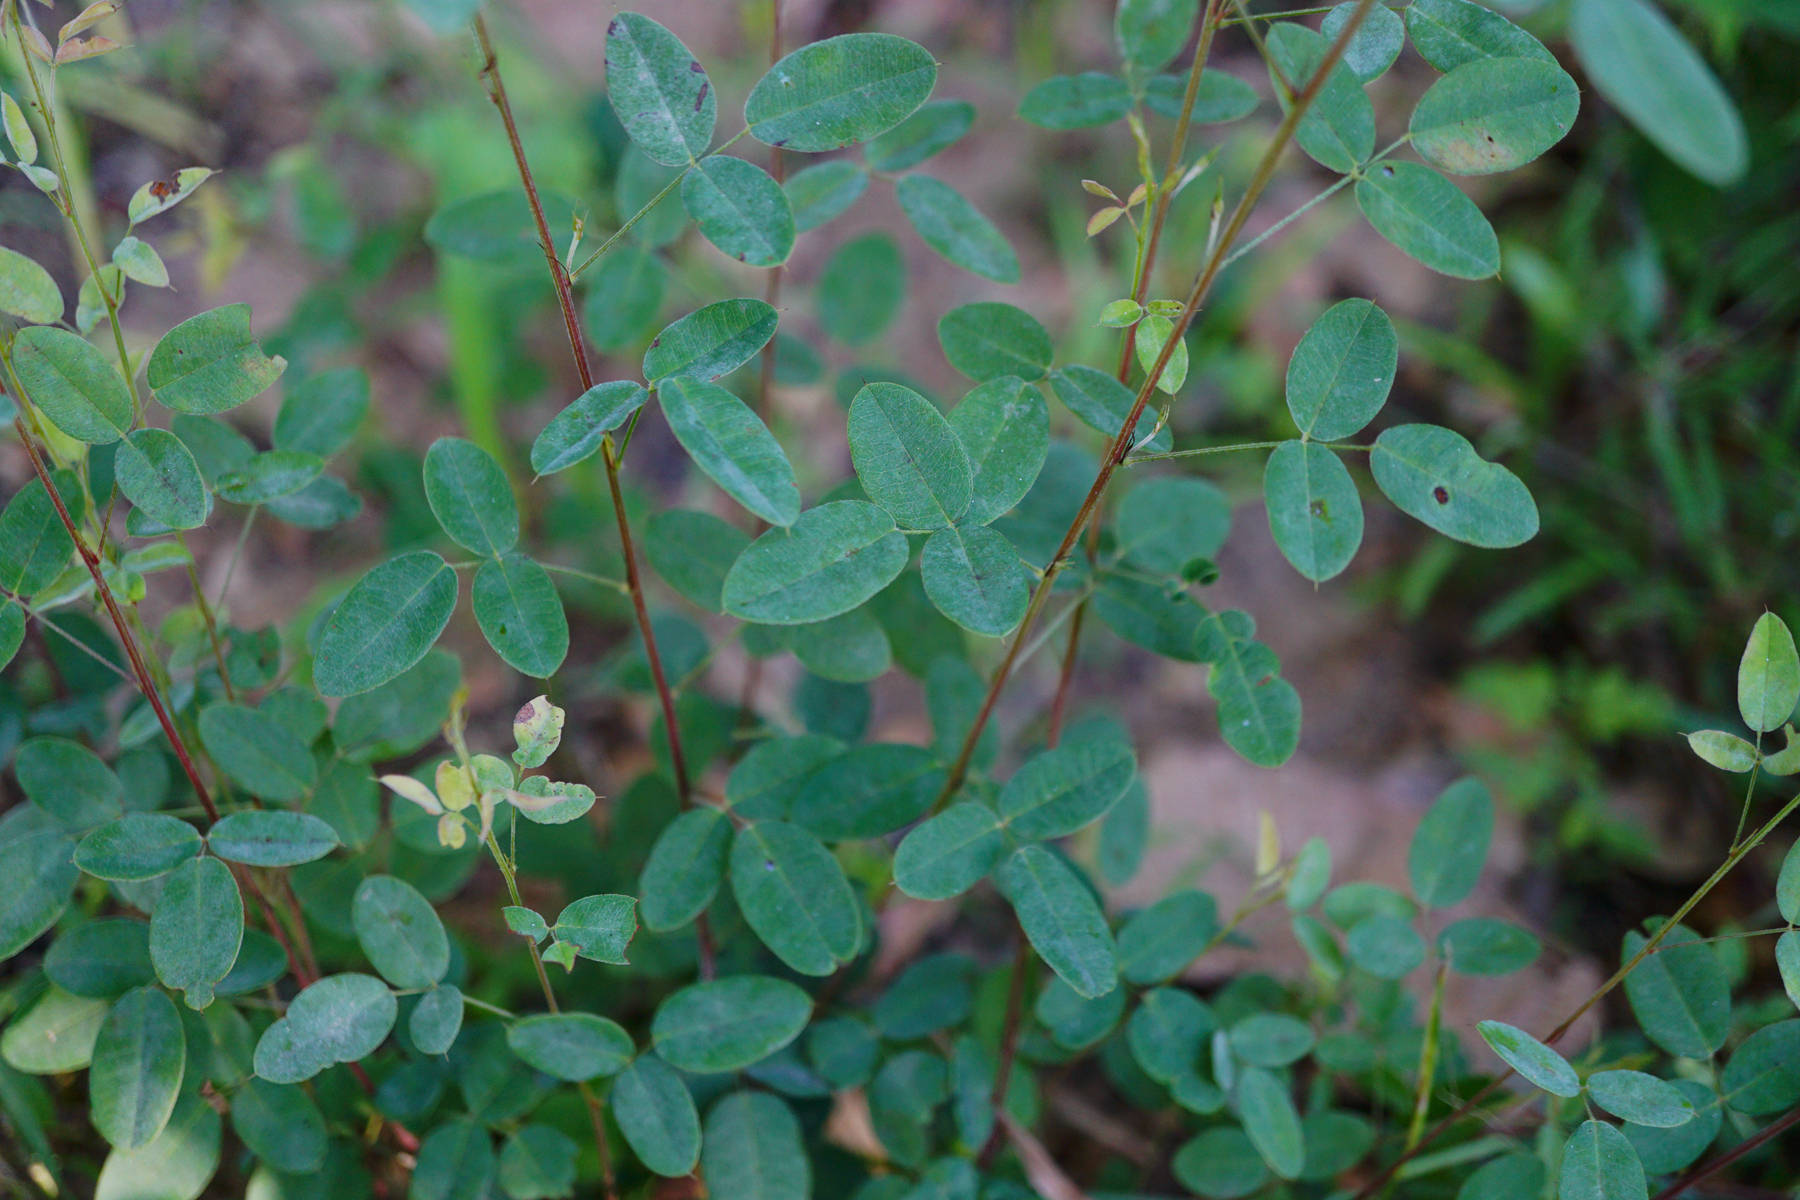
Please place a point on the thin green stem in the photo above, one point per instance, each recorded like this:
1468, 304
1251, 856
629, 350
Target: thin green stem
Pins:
1278, 226
484, 1006
602, 580
1428, 1054
619, 233
38, 616
1239, 447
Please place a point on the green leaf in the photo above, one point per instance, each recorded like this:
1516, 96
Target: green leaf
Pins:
26, 290
1787, 886
1637, 59
1061, 919
72, 384
710, 341
794, 895
1600, 1164
829, 561
1153, 333
624, 298
139, 262
1220, 1164
599, 927
12, 630
935, 127
870, 791
436, 1020
576, 432
1259, 712
197, 928
1004, 427
1768, 681
732, 446
950, 853
19, 133
1386, 947
1081, 101
1315, 514
988, 340
1664, 1151
211, 363
55, 1035
320, 414
1149, 34
1271, 1040
138, 1061
400, 932
268, 476
1511, 1175
740, 209
1338, 131
1151, 616
1679, 994
1726, 751
838, 91
1451, 33
729, 1024
953, 227
281, 1125
751, 1149
341, 1018
69, 782
1484, 946
693, 552
907, 457
659, 91
257, 751
538, 1163
1068, 788
1102, 402
137, 846
1168, 1034
826, 190
1158, 943
103, 958
1450, 844
1340, 373
271, 838
157, 473
772, 776
1429, 218
1170, 525
1640, 1099
1494, 114
656, 1114
321, 504
456, 1162
181, 1160
470, 497
1222, 97
861, 289
571, 1046
1271, 1121
385, 625
521, 615
974, 576
1537, 1063
685, 867
34, 544
1760, 1078
1435, 476
1374, 46
851, 647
